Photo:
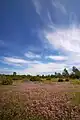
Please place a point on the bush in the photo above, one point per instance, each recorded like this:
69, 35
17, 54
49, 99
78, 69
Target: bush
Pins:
5, 81
67, 80
34, 78
60, 80
48, 78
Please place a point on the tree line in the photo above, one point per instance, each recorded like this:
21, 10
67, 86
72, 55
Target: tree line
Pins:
8, 79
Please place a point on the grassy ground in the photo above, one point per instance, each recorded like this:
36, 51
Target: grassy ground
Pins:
75, 81
40, 101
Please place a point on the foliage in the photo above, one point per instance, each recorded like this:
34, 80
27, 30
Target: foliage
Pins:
75, 74
66, 80
42, 76
58, 75
14, 73
72, 75
75, 82
65, 73
76, 98
60, 80
6, 81
35, 78
74, 69
48, 78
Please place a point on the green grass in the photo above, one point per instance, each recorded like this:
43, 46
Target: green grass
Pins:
52, 80
76, 98
75, 82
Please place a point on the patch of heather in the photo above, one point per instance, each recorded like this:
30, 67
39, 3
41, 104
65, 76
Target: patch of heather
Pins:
38, 102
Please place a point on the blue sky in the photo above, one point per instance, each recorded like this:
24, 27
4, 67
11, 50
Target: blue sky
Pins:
39, 36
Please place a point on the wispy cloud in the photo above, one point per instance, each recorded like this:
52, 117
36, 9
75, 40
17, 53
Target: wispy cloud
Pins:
58, 36
14, 60
32, 67
57, 58
59, 6
41, 68
32, 55
37, 6
45, 8
2, 43
18, 62
38, 67
65, 39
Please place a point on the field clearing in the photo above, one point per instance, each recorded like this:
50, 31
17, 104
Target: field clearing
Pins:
40, 101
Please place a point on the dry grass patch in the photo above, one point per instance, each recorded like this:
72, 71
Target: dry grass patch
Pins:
41, 101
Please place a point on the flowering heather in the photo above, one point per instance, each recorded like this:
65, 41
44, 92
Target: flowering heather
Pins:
30, 101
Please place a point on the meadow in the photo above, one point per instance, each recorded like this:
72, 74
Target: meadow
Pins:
45, 100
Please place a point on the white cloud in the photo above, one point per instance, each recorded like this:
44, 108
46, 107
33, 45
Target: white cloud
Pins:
57, 58
32, 55
37, 6
59, 6
65, 39
18, 62
41, 68
34, 67
44, 8
14, 60
73, 59
37, 67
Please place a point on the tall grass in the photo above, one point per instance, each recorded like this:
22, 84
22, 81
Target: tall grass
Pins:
75, 82
76, 98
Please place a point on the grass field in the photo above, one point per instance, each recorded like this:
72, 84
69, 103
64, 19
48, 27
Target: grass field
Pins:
40, 101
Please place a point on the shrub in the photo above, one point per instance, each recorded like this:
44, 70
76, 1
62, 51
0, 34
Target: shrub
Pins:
34, 78
60, 80
25, 80
48, 78
6, 81
67, 80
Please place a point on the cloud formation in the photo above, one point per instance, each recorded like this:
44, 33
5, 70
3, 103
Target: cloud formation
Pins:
33, 67
59, 32
43, 68
37, 5
61, 36
65, 39
57, 58
58, 5
32, 55
16, 61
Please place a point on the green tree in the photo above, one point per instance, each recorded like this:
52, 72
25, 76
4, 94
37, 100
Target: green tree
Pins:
65, 73
14, 73
58, 75
76, 72
74, 69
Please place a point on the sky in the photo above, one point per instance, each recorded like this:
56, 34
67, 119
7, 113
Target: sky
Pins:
39, 36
